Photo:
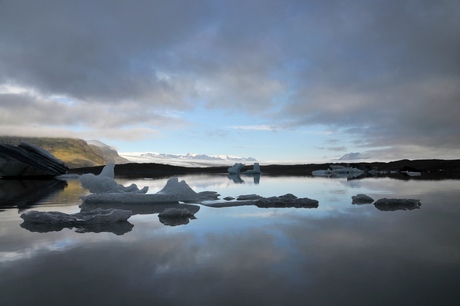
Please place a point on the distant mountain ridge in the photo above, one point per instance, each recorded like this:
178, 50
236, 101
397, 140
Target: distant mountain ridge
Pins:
353, 156
191, 156
74, 152
189, 159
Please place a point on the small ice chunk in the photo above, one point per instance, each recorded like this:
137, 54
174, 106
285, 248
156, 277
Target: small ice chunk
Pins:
208, 195
96, 216
181, 190
236, 168
255, 169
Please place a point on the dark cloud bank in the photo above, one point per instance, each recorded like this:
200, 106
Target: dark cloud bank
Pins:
386, 72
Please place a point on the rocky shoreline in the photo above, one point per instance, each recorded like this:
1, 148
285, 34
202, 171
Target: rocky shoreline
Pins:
430, 169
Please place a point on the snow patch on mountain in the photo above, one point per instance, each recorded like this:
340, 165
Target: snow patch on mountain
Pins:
189, 159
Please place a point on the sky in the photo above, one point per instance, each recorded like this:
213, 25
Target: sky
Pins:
277, 80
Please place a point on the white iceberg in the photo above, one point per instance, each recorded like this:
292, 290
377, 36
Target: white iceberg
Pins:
105, 183
338, 171
236, 168
180, 190
255, 169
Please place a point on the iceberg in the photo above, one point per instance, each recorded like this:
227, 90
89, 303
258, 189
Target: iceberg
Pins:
105, 190
180, 190
338, 171
236, 168
96, 216
96, 221
255, 169
105, 183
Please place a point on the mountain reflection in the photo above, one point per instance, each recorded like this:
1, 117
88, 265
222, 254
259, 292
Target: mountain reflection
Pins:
27, 193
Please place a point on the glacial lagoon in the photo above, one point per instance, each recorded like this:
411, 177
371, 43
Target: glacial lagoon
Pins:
336, 254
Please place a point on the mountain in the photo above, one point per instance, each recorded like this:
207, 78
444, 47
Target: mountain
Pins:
109, 153
74, 152
189, 159
353, 156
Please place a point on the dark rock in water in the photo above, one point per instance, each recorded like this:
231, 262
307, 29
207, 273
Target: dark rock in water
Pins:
361, 199
175, 216
397, 204
287, 200
28, 192
28, 160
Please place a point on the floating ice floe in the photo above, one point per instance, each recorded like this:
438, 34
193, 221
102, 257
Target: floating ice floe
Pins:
284, 201
361, 199
97, 216
173, 193
236, 168
255, 169
96, 221
338, 171
180, 190
105, 183
104, 189
397, 204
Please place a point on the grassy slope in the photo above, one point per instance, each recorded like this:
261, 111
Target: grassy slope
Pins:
75, 153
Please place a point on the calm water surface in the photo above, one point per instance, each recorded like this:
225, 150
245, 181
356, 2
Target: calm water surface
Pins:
336, 254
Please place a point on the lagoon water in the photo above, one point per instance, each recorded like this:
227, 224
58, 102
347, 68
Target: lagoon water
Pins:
337, 254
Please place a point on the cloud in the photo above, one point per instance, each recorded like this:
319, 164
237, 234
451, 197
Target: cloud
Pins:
259, 127
385, 73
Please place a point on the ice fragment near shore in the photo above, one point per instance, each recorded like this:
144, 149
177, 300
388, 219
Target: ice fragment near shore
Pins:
181, 190
236, 168
96, 216
105, 183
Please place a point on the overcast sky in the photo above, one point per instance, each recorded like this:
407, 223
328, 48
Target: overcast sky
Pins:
277, 80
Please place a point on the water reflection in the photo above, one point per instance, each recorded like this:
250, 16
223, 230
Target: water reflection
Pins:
236, 178
24, 194
336, 254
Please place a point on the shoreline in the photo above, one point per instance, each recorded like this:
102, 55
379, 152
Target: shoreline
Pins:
429, 168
